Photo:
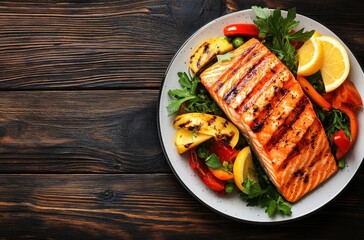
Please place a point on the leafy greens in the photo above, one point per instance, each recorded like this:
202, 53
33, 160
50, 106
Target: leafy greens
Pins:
277, 32
193, 96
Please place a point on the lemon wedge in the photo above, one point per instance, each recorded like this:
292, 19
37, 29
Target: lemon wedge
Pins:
336, 65
244, 168
310, 56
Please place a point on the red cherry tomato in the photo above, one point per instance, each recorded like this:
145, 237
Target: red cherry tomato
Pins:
342, 142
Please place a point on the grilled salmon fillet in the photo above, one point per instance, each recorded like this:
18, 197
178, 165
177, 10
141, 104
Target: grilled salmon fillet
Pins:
263, 99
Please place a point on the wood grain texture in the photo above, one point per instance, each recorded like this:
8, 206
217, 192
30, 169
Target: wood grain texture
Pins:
80, 131
121, 206
94, 44
125, 44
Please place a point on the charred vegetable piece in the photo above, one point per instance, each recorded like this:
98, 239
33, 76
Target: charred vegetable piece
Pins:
218, 127
185, 139
207, 51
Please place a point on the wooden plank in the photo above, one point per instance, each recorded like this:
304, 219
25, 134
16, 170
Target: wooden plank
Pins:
80, 131
94, 44
148, 206
98, 44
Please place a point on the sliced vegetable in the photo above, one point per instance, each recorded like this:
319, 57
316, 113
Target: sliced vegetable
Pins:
208, 51
348, 94
201, 169
218, 127
241, 29
223, 151
222, 174
313, 94
353, 120
342, 143
185, 139
353, 126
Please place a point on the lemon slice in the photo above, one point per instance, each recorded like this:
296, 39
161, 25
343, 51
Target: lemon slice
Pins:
244, 168
336, 64
310, 56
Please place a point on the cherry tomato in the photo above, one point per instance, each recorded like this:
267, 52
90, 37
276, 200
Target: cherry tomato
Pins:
223, 151
201, 169
341, 141
241, 29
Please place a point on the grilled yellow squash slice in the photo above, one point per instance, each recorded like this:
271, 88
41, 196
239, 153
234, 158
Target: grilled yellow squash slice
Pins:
185, 139
207, 51
207, 124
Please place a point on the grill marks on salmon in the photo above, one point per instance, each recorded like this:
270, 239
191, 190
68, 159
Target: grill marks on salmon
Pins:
263, 99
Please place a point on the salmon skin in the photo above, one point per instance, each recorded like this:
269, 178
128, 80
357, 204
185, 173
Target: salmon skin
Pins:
263, 99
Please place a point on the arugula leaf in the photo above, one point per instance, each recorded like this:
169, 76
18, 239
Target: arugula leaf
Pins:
277, 32
193, 95
336, 120
317, 82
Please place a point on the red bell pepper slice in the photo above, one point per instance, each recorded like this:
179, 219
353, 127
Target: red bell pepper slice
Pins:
241, 29
201, 169
354, 127
223, 151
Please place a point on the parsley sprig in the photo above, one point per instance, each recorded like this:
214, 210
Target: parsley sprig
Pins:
277, 32
193, 95
264, 194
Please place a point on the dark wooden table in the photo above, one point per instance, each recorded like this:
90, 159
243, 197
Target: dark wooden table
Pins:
80, 156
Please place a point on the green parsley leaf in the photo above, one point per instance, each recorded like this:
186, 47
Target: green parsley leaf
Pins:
277, 32
283, 206
266, 197
213, 161
271, 208
193, 95
252, 189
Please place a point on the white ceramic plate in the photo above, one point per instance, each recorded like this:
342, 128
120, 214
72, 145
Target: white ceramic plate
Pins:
233, 206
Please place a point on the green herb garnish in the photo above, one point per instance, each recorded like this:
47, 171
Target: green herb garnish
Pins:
213, 161
264, 194
336, 120
267, 197
193, 95
277, 32
317, 82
